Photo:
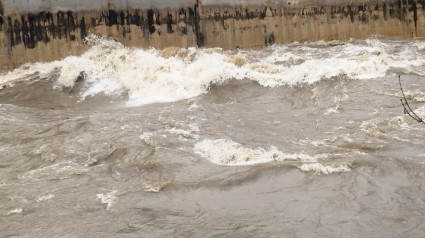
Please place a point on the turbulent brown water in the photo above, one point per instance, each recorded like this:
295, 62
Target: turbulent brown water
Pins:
296, 140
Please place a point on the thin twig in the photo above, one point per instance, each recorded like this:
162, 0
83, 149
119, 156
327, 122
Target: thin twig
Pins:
407, 109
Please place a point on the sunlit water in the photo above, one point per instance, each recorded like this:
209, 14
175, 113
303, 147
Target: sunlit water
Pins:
296, 140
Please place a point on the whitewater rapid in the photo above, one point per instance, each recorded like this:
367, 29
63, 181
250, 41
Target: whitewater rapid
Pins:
173, 74
294, 140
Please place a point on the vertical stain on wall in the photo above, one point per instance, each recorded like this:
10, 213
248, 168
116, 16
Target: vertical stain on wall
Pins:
413, 8
384, 10
1, 16
170, 24
112, 18
83, 31
151, 26
200, 37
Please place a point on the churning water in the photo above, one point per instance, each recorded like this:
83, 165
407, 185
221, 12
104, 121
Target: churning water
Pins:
295, 140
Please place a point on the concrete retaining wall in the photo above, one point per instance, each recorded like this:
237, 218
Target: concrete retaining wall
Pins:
45, 30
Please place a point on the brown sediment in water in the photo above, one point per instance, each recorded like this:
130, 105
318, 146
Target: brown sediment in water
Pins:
341, 158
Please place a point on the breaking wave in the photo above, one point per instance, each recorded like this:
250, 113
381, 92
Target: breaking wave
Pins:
229, 153
149, 75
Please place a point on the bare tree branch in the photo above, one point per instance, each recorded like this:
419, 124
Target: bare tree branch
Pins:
407, 109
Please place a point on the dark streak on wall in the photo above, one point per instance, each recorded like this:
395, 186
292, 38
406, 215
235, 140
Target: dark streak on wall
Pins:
1, 16
200, 40
30, 29
413, 8
41, 27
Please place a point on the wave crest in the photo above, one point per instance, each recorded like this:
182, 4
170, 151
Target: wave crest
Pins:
150, 75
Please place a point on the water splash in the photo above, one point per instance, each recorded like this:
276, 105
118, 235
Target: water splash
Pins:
149, 76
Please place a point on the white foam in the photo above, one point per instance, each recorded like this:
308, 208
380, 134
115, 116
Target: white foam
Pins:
416, 96
179, 132
150, 76
420, 45
192, 107
323, 169
15, 211
420, 112
155, 188
109, 198
190, 132
45, 197
370, 127
229, 153
147, 138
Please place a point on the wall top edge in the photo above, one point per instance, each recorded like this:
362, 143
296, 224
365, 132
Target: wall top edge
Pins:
27, 6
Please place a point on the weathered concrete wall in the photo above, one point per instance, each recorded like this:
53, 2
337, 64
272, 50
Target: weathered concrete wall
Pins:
255, 25
44, 30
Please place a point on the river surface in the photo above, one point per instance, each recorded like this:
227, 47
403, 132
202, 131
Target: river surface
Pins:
295, 140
